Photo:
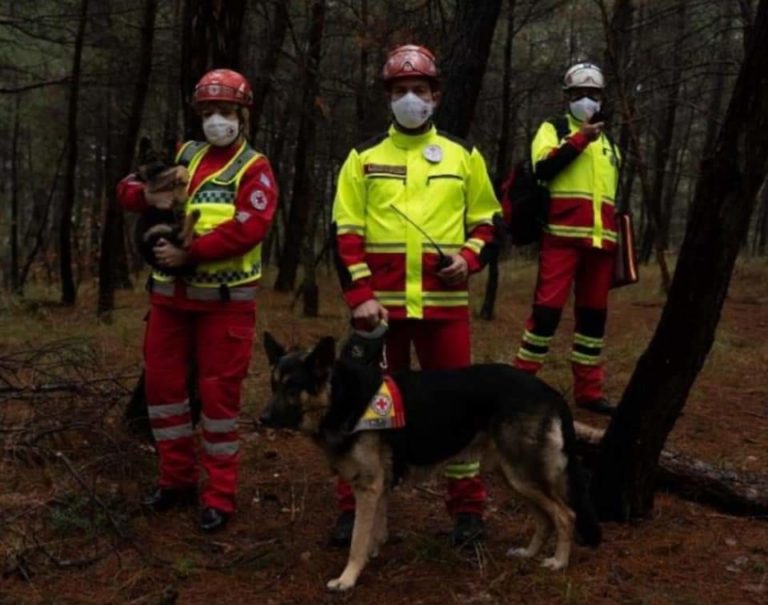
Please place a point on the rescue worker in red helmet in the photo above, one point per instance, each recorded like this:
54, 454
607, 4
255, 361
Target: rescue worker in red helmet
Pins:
578, 244
210, 311
396, 192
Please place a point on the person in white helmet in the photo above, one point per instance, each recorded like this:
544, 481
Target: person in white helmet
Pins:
580, 165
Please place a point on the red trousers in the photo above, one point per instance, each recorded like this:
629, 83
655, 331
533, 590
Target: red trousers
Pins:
439, 344
589, 271
220, 336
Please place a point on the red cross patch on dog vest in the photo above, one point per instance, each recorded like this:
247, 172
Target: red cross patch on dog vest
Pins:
385, 410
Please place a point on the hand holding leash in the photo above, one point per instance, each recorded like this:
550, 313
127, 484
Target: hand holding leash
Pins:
371, 312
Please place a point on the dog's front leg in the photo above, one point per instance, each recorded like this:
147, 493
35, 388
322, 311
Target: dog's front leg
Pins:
380, 533
367, 497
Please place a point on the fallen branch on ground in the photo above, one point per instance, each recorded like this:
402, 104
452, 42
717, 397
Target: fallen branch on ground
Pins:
727, 490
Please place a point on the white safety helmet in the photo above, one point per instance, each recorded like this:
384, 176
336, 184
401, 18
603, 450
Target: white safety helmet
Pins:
583, 75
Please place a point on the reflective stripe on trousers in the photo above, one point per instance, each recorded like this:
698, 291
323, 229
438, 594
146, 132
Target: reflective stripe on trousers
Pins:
226, 338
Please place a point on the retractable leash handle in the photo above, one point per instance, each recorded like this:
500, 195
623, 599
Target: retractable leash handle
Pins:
367, 346
443, 260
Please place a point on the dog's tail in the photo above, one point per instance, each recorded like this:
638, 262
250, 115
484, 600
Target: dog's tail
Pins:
587, 524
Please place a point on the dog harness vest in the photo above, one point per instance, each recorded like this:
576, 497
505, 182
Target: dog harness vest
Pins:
582, 195
215, 198
449, 197
385, 410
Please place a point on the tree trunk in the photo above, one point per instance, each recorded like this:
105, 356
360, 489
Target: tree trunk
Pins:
42, 213
614, 49
304, 191
761, 224
362, 101
623, 485
112, 229
211, 34
14, 283
262, 82
672, 190
465, 63
653, 238
502, 157
68, 292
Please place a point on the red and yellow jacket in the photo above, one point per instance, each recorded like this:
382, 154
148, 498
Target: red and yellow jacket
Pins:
441, 184
236, 193
582, 178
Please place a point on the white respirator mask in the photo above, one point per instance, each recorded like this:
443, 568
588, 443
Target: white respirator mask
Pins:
220, 131
584, 108
411, 111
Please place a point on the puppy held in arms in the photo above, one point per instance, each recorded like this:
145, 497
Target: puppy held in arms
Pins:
166, 194
372, 427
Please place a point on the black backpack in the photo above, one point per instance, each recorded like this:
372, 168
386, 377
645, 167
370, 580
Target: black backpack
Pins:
525, 199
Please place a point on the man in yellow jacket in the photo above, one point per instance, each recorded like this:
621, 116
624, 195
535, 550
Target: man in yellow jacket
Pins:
413, 218
581, 167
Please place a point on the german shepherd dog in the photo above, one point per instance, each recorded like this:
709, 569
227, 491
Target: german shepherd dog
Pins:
446, 412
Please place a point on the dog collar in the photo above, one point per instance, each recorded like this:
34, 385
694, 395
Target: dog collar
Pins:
385, 410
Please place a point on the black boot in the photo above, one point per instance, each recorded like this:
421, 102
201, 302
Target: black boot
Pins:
341, 535
468, 529
213, 519
166, 498
599, 406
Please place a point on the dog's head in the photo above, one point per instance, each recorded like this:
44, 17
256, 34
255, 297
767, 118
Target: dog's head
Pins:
300, 384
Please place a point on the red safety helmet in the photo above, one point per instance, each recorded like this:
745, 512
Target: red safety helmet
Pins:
410, 61
223, 85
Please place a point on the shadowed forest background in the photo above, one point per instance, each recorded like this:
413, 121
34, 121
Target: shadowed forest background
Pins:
85, 83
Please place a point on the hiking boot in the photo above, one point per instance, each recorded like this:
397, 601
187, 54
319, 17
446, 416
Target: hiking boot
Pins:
165, 498
468, 529
599, 406
213, 519
341, 535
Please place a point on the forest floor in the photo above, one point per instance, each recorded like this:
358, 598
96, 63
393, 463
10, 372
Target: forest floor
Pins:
72, 531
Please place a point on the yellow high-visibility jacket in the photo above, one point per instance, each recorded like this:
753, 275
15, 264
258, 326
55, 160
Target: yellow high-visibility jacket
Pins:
215, 198
582, 194
441, 184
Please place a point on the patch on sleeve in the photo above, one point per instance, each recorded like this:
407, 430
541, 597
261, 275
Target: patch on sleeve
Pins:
265, 180
384, 411
242, 216
258, 200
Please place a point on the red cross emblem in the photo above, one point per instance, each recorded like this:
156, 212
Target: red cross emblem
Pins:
381, 405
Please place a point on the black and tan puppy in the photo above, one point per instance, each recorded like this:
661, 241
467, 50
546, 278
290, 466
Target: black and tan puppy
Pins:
166, 193
342, 405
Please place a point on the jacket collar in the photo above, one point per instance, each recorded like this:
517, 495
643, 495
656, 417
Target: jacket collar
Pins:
411, 141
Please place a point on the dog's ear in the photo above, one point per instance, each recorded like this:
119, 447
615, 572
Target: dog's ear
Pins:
273, 348
320, 360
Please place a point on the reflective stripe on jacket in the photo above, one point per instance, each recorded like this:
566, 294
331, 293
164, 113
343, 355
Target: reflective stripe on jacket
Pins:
441, 184
583, 193
215, 198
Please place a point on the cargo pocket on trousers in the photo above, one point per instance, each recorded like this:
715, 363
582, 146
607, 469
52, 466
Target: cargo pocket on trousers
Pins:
241, 347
